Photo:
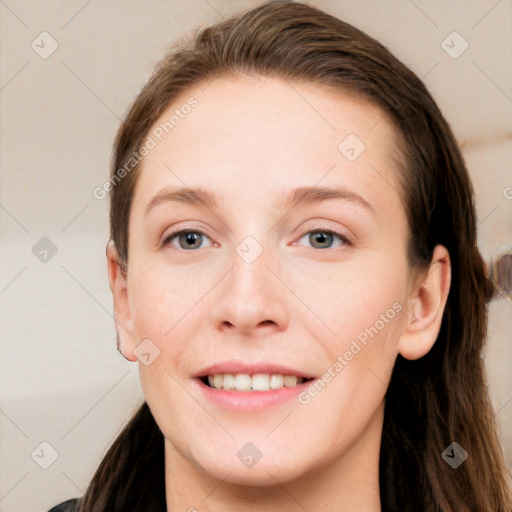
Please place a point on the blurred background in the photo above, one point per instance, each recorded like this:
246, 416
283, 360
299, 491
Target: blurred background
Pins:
69, 71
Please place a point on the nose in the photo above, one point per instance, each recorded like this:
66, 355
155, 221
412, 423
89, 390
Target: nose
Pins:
251, 299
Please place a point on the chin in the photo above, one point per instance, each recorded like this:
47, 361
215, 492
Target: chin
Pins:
260, 475
267, 471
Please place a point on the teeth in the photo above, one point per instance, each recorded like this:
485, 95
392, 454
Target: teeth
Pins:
229, 381
242, 381
256, 382
217, 381
290, 381
261, 382
276, 381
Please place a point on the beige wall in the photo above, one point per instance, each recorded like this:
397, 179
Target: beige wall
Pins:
62, 380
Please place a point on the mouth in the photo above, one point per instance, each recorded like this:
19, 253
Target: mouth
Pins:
246, 382
250, 386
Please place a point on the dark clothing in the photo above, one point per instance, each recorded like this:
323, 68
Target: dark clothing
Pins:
65, 506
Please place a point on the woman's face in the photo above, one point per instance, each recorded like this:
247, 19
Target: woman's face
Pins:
261, 284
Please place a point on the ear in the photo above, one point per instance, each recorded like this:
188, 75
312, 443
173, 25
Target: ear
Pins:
122, 315
426, 306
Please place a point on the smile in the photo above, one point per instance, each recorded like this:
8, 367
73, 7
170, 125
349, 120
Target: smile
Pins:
250, 386
248, 383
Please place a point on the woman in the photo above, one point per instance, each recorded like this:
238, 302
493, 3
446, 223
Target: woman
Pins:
294, 265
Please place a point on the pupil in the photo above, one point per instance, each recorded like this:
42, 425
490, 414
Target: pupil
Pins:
321, 237
191, 238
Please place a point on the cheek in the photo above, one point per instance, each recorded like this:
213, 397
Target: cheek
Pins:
165, 305
350, 299
351, 389
363, 306
163, 298
158, 308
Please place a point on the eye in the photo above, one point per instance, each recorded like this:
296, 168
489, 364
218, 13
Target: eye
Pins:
187, 238
324, 238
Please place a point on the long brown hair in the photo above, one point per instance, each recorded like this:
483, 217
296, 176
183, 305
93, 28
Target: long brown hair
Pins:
431, 402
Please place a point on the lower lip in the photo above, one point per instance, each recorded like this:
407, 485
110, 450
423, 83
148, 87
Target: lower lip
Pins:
249, 400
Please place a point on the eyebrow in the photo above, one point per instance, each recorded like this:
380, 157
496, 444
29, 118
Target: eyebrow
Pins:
299, 196
312, 195
185, 195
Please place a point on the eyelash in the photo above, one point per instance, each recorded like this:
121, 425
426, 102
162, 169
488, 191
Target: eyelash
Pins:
347, 240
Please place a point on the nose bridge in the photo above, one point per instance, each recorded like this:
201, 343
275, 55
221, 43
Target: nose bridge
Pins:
250, 294
250, 266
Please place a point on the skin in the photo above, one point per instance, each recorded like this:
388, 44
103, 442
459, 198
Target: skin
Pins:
300, 303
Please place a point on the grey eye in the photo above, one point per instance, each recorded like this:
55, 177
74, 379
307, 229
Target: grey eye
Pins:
188, 239
323, 238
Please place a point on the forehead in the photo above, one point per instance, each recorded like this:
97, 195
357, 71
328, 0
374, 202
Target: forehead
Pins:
255, 135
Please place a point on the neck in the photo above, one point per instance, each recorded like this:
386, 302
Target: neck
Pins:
348, 484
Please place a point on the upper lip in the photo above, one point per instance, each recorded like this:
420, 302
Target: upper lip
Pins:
250, 367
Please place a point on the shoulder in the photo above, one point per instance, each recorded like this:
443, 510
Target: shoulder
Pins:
66, 506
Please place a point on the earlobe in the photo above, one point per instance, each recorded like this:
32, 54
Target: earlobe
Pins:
117, 278
426, 306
